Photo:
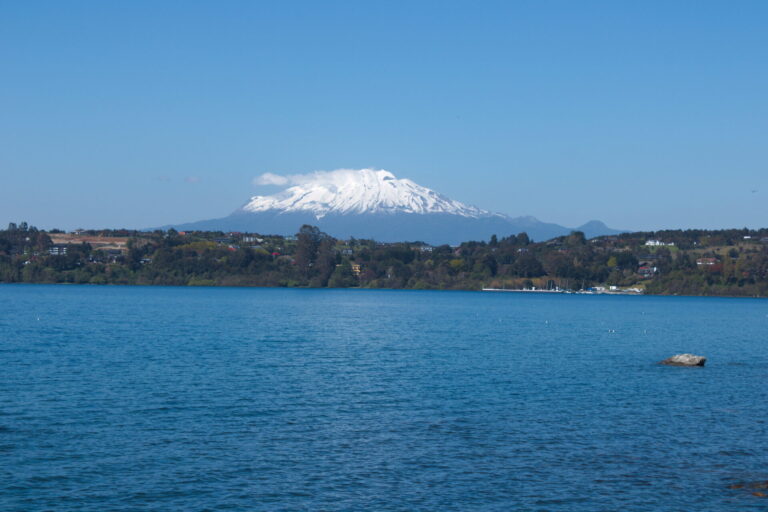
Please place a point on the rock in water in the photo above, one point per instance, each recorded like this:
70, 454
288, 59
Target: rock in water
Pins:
684, 360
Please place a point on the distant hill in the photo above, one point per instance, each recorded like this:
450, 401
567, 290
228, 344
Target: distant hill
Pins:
375, 204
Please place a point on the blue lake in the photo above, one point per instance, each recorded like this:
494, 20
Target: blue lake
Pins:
153, 398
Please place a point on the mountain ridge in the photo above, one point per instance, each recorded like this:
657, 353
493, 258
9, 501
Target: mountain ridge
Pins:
359, 192
371, 203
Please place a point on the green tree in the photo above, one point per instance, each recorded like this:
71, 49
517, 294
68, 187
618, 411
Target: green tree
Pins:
342, 277
528, 266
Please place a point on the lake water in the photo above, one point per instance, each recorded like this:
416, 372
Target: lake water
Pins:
134, 398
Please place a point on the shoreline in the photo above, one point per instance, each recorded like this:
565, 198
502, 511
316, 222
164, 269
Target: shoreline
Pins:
569, 292
481, 290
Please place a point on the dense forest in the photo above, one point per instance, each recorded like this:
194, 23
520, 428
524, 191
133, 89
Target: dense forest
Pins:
690, 262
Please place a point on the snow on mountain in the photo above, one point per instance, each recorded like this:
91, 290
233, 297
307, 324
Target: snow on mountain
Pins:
348, 191
371, 203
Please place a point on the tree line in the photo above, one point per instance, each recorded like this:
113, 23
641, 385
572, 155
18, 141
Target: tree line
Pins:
691, 262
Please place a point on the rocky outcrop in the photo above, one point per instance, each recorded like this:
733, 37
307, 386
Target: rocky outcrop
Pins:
684, 360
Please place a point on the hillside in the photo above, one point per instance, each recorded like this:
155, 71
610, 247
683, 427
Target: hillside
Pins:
693, 262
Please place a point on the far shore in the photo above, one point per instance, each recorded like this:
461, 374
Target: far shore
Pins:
357, 288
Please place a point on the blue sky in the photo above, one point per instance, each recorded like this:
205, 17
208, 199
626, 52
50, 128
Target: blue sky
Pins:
645, 115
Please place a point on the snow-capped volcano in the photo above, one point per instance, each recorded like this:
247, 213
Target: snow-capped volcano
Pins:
365, 191
371, 203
